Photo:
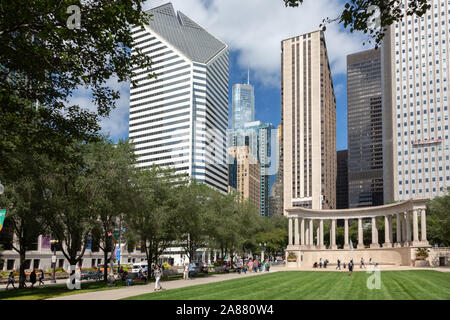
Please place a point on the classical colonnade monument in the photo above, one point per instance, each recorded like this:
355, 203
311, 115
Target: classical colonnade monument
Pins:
306, 234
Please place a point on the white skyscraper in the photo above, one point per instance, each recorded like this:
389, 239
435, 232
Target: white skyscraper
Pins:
180, 118
415, 118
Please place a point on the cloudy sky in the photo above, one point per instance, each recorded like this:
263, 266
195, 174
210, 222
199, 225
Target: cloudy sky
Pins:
253, 30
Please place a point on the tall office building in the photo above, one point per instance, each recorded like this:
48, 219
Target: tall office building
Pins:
180, 118
365, 135
342, 180
309, 123
258, 137
276, 198
415, 101
245, 174
243, 105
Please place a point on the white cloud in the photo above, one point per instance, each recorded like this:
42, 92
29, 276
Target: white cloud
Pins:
116, 125
255, 28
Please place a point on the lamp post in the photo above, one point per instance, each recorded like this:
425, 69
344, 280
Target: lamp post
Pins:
263, 247
54, 242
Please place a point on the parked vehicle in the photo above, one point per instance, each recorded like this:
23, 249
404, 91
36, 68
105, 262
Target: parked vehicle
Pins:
90, 275
138, 266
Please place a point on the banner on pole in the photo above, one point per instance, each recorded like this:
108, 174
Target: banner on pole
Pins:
2, 218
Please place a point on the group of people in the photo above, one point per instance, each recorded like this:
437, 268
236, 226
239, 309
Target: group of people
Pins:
351, 264
319, 265
189, 271
254, 265
34, 277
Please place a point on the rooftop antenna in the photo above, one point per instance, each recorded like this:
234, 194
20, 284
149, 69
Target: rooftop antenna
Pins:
248, 78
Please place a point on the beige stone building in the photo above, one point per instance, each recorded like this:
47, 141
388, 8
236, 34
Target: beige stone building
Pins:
244, 174
309, 123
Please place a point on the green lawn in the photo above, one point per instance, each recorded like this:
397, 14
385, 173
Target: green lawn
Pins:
298, 285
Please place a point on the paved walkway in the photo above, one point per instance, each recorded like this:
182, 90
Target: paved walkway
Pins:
357, 268
126, 292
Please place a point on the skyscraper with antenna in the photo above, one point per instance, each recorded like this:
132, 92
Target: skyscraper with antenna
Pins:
243, 104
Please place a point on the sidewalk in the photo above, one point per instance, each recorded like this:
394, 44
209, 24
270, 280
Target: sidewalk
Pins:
132, 291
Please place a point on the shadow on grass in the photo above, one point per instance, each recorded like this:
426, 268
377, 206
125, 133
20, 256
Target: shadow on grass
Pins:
40, 293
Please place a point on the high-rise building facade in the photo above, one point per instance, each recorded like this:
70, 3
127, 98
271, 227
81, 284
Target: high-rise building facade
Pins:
258, 137
276, 198
309, 123
365, 134
415, 101
180, 118
243, 105
342, 180
245, 174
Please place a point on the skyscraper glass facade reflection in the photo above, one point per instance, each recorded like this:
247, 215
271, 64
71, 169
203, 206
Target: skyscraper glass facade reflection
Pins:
243, 105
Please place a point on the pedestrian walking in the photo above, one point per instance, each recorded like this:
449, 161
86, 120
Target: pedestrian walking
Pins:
267, 266
158, 274
261, 266
250, 265
33, 278
338, 265
362, 264
41, 277
10, 280
320, 263
325, 263
255, 266
370, 261
191, 271
186, 271
350, 267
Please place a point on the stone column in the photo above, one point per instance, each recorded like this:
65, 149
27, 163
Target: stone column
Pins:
311, 233
346, 246
360, 234
408, 229
374, 243
403, 229
321, 243
391, 235
318, 235
306, 232
387, 239
423, 227
290, 232
399, 230
333, 234
415, 228
302, 232
296, 235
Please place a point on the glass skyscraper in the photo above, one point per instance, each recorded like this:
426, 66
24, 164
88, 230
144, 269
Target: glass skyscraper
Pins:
243, 105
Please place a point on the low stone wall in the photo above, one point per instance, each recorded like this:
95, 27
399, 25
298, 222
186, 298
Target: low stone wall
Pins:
394, 256
439, 255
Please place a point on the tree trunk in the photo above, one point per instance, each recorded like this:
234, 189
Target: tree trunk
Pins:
105, 269
22, 276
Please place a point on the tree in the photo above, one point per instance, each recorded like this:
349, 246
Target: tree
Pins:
194, 227
42, 62
357, 14
152, 222
108, 183
438, 221
68, 214
20, 199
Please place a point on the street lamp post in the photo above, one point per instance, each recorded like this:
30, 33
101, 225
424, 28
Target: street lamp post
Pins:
263, 247
54, 242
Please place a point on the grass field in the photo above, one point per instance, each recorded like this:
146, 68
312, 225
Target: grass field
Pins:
292, 285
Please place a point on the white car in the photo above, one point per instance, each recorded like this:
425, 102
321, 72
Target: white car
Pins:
138, 266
